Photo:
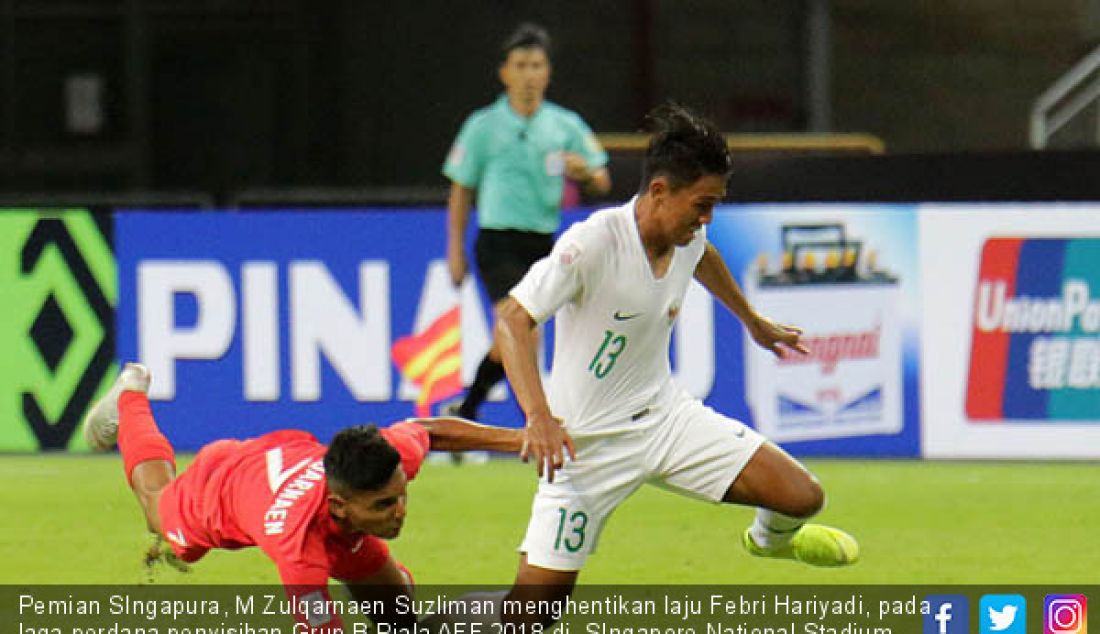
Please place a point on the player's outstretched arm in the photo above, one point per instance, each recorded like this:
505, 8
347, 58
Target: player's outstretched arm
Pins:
548, 442
458, 434
715, 276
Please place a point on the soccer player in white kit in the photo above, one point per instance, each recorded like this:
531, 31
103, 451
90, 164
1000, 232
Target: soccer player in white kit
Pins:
616, 282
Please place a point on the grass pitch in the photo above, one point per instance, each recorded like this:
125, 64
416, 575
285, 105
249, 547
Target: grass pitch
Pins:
71, 520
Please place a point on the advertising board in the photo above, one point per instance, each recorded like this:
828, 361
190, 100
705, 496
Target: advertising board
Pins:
1011, 324
267, 319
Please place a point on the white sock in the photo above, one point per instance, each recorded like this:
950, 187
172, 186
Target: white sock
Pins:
774, 530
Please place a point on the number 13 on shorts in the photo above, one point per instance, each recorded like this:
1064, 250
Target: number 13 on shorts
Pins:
571, 527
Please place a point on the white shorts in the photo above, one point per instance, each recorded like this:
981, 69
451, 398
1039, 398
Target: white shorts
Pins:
681, 445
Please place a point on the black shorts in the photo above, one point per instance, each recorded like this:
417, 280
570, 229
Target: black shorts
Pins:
504, 255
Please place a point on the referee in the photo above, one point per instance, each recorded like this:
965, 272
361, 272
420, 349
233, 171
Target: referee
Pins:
514, 155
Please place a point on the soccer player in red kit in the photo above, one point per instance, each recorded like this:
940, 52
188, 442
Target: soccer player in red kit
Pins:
318, 512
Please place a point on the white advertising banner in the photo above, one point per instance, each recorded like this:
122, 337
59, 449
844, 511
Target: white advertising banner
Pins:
830, 283
1011, 330
850, 383
846, 274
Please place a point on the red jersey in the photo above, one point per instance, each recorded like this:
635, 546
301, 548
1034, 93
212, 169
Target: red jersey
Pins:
271, 492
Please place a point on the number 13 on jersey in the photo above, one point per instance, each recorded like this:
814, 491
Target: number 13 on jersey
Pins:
605, 358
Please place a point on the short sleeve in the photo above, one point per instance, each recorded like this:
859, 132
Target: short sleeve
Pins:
553, 281
465, 161
411, 440
585, 143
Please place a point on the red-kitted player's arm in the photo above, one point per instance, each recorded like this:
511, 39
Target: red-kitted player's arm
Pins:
411, 441
457, 434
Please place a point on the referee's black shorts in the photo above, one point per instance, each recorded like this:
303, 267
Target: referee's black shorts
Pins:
504, 255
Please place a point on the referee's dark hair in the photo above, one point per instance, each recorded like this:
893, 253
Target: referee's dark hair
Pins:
526, 35
684, 148
359, 459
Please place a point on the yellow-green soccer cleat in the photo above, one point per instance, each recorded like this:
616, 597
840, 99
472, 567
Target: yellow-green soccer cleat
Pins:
813, 544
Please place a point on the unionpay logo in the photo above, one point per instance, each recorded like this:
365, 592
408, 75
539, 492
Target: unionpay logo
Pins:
948, 614
1035, 346
1065, 614
1003, 614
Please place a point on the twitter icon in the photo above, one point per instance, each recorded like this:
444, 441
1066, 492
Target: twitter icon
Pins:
1003, 614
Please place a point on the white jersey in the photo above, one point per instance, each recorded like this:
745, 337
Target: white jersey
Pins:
614, 319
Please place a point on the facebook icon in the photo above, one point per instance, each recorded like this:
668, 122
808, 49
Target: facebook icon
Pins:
947, 614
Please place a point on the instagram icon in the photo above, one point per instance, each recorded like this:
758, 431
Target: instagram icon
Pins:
1065, 614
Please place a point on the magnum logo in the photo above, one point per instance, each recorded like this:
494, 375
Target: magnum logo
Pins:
59, 285
831, 349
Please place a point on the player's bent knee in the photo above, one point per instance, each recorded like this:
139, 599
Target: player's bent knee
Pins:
807, 499
776, 482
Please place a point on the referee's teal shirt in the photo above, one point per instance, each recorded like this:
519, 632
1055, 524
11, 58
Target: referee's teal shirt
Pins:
515, 163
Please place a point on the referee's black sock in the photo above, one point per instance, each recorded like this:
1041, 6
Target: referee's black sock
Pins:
489, 373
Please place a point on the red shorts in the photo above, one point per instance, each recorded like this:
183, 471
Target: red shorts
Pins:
185, 492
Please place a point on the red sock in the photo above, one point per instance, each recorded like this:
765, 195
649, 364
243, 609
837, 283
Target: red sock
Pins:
139, 440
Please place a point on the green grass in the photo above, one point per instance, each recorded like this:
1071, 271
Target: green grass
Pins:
71, 519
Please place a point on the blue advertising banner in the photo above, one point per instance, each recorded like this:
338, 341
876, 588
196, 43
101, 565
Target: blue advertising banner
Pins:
264, 320
270, 319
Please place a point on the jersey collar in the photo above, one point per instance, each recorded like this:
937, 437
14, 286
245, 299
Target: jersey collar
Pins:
515, 117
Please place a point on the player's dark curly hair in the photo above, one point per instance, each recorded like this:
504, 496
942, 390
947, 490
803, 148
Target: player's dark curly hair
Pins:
526, 35
684, 148
360, 459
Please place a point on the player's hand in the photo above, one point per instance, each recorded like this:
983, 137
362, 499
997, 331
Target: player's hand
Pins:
543, 441
456, 265
576, 168
781, 339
